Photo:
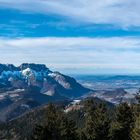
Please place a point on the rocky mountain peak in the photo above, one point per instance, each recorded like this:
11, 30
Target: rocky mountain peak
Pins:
8, 67
36, 82
38, 75
36, 67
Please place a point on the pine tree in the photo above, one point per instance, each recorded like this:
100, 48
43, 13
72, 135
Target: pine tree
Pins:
67, 129
81, 134
137, 105
136, 129
55, 127
97, 121
51, 122
49, 129
38, 133
121, 129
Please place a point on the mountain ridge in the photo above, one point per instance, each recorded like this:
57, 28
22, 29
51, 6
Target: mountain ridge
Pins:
30, 85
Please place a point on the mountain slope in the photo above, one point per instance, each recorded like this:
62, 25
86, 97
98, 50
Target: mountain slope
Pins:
36, 116
31, 85
38, 75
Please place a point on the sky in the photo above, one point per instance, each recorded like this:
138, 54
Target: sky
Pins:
73, 37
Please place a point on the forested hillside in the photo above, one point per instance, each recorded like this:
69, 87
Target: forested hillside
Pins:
93, 120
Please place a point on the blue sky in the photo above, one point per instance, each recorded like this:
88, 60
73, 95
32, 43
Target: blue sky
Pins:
74, 37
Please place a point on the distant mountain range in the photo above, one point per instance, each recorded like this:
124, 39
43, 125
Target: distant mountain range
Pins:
110, 82
112, 88
30, 85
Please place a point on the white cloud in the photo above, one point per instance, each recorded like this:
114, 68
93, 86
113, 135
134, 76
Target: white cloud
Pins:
79, 54
123, 13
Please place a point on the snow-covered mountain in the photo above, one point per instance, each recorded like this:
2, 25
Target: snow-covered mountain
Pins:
30, 85
38, 75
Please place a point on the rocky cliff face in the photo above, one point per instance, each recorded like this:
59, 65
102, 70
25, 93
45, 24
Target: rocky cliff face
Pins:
30, 85
38, 75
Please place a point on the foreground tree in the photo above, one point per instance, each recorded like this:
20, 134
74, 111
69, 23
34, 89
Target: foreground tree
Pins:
48, 130
67, 129
136, 129
55, 127
121, 128
97, 121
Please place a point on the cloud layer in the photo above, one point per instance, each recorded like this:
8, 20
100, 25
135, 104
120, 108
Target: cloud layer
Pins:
98, 21
80, 54
123, 13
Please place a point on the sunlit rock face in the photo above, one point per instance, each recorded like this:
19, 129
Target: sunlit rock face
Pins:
30, 85
38, 75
